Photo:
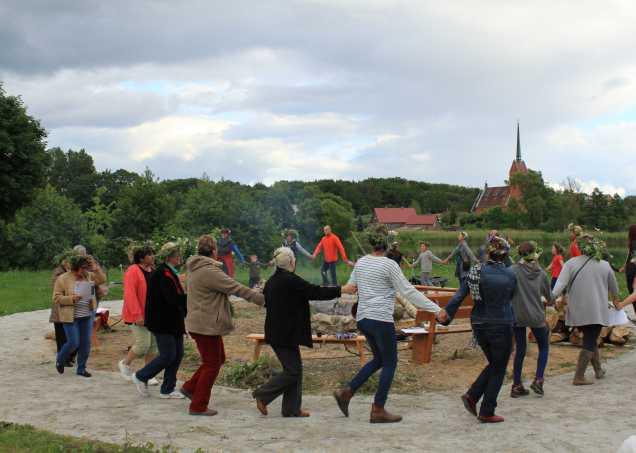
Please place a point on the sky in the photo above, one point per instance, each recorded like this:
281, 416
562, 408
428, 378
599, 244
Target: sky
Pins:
260, 91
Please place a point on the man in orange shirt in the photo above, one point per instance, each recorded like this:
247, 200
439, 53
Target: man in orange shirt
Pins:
331, 246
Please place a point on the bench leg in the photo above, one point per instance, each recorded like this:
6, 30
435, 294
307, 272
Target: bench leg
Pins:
422, 348
257, 351
360, 348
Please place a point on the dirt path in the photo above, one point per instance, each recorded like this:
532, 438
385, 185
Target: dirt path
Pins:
567, 419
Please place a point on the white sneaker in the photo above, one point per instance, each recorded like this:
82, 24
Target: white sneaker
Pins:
141, 387
153, 381
175, 395
124, 370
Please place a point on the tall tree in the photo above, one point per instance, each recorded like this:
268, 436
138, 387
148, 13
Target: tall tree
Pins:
23, 159
73, 174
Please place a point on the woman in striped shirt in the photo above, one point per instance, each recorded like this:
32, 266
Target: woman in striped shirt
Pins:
378, 278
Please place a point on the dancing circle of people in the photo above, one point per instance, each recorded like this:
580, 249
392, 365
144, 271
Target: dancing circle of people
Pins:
161, 306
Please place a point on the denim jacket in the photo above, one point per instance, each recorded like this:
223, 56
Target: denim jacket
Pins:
497, 285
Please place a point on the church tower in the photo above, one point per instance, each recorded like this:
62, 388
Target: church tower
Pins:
518, 166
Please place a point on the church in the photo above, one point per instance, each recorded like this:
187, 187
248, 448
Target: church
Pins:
499, 197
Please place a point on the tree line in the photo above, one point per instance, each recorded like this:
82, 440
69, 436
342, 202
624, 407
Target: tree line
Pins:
52, 199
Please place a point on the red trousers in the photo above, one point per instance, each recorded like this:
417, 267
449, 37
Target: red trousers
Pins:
212, 354
228, 264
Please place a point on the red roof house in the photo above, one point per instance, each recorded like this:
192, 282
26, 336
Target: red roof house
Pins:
395, 218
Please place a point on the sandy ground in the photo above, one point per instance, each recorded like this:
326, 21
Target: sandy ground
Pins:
568, 419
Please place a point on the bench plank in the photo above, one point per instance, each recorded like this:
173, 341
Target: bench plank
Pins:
358, 341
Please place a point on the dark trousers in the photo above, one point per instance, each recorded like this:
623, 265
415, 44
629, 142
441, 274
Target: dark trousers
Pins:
78, 338
381, 338
590, 336
170, 354
289, 383
542, 335
212, 352
496, 342
254, 281
60, 339
329, 268
553, 282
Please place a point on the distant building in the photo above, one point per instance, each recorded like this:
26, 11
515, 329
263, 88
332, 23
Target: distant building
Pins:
397, 218
499, 197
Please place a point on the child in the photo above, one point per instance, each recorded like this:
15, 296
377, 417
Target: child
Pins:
557, 263
426, 260
255, 270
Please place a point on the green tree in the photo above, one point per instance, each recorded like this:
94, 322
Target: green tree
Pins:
99, 220
42, 229
73, 174
142, 208
23, 159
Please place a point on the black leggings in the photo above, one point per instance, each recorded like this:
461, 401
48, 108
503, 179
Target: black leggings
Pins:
590, 336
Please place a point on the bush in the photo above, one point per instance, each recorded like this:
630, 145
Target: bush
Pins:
248, 375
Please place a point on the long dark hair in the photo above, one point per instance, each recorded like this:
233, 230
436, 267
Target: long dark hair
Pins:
631, 238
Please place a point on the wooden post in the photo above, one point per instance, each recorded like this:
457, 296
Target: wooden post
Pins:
422, 345
360, 348
257, 350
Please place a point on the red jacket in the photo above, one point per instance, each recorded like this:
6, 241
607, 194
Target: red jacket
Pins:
330, 246
135, 291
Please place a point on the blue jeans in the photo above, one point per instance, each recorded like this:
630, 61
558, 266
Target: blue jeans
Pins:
78, 337
496, 342
170, 354
542, 334
331, 268
381, 338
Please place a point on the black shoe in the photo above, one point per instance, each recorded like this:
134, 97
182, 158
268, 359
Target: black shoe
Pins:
518, 391
537, 387
69, 364
84, 374
59, 367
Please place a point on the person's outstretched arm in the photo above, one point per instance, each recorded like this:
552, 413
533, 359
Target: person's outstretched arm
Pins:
562, 282
237, 252
302, 250
401, 284
225, 284
318, 248
457, 300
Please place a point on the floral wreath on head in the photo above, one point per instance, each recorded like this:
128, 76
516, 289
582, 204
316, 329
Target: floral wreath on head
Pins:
593, 247
531, 256
576, 229
65, 256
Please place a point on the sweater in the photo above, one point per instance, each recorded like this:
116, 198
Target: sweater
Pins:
166, 305
63, 290
378, 278
209, 311
135, 294
288, 318
426, 260
532, 283
331, 245
588, 296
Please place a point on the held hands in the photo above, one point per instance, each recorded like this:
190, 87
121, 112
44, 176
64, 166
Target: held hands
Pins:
349, 289
619, 305
350, 263
442, 317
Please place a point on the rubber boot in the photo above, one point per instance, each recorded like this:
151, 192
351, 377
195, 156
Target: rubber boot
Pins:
343, 396
599, 372
379, 415
579, 376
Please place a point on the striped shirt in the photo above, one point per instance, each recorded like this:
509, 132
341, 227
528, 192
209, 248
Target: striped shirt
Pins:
378, 278
83, 306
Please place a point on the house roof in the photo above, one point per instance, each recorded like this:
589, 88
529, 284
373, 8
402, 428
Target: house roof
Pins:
492, 197
426, 219
407, 216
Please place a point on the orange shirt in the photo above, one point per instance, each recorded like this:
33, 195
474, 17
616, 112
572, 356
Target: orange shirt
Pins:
574, 249
331, 246
135, 290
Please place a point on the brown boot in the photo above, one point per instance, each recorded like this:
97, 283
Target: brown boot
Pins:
579, 376
379, 415
599, 372
343, 396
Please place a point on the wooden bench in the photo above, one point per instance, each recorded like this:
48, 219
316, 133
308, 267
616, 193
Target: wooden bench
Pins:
358, 342
422, 343
101, 321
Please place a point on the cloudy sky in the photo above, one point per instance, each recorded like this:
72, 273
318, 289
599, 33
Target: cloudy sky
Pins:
259, 91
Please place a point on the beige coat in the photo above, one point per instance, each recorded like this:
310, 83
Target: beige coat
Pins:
209, 311
63, 305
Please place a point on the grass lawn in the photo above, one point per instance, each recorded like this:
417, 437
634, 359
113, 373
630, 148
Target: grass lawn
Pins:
25, 438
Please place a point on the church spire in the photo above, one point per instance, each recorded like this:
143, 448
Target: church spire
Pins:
518, 144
